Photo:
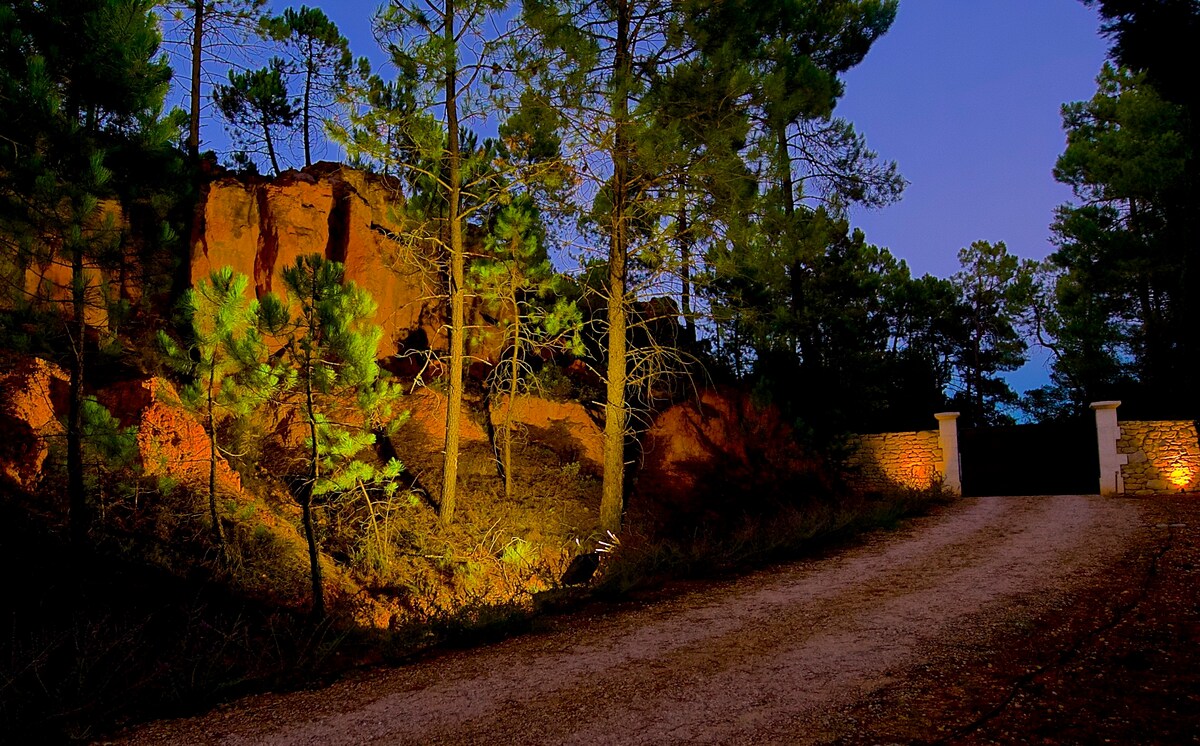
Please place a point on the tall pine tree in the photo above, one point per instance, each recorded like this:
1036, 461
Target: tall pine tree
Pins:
83, 79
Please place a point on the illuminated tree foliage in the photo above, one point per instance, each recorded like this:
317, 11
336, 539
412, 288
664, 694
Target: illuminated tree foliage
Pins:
329, 353
517, 276
227, 360
415, 127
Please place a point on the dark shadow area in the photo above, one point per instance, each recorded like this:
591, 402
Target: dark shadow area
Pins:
1056, 458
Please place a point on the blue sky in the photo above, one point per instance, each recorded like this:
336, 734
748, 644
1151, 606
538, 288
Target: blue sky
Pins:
965, 96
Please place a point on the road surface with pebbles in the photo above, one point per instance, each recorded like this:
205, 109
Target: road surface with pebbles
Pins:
783, 655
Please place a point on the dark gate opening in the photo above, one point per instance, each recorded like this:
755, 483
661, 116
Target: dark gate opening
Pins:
1058, 458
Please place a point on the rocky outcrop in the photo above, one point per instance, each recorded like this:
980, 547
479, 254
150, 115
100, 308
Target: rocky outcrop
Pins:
48, 281
33, 394
260, 226
565, 427
427, 416
713, 457
33, 403
171, 442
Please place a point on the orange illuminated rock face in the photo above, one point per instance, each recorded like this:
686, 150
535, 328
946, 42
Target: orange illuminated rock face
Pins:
713, 458
427, 409
565, 427
49, 283
259, 227
33, 393
171, 442
33, 403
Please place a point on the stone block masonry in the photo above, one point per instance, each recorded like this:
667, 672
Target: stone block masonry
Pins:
1161, 456
886, 460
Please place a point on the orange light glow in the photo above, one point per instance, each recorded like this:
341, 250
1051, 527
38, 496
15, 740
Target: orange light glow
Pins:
1181, 476
917, 475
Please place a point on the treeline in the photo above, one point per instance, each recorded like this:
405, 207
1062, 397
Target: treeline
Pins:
1122, 319
686, 153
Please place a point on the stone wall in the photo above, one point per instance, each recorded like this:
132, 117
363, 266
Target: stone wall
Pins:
885, 460
1160, 456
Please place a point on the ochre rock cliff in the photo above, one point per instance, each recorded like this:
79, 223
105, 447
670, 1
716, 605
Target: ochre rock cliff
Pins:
33, 404
565, 427
48, 277
260, 226
171, 442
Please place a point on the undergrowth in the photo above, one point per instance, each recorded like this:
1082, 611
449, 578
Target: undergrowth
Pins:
150, 622
645, 558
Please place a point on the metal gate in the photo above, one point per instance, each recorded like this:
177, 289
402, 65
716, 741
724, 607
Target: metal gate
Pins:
1047, 459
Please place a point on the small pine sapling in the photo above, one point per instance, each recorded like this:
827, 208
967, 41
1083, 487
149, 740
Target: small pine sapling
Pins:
330, 352
226, 360
517, 276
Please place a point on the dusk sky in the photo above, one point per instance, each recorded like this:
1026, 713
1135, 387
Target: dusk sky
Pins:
965, 96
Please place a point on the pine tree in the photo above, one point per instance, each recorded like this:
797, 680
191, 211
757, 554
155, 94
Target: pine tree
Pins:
1123, 317
83, 79
256, 105
226, 358
518, 277
440, 51
320, 56
996, 291
591, 62
214, 34
330, 355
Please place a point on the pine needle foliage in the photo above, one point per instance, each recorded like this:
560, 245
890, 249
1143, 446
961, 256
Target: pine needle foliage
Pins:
335, 387
226, 359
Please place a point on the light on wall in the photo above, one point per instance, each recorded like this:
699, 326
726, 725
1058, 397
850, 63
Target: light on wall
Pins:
916, 474
1181, 476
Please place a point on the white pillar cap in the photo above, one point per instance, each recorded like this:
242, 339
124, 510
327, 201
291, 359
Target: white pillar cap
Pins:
1105, 404
946, 415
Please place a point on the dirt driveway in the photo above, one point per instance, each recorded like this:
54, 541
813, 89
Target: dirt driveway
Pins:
941, 631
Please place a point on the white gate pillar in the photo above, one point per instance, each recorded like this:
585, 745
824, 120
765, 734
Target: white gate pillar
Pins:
1107, 434
948, 441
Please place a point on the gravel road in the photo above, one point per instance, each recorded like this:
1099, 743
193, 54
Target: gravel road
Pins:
765, 658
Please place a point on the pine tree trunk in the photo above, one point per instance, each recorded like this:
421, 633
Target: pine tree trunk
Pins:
308, 75
270, 146
514, 380
787, 187
314, 468
193, 143
685, 268
612, 496
457, 262
218, 538
79, 518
